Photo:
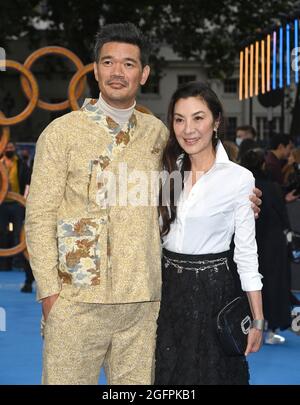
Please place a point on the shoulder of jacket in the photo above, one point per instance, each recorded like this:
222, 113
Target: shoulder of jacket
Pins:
64, 124
69, 118
148, 119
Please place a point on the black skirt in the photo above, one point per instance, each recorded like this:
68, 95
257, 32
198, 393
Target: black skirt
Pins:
194, 289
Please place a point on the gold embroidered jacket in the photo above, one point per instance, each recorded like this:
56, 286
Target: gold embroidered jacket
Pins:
80, 245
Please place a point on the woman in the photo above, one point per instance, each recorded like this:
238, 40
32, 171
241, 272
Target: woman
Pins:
197, 228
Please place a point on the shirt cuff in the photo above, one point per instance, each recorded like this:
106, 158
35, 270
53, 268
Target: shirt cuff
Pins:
251, 282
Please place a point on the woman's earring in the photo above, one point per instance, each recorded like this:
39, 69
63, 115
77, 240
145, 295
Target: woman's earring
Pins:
216, 133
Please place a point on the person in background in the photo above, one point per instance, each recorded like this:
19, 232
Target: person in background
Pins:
232, 150
271, 227
291, 170
12, 212
197, 228
245, 132
25, 156
246, 145
275, 160
281, 148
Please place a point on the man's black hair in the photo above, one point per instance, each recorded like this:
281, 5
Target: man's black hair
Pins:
279, 139
247, 128
126, 33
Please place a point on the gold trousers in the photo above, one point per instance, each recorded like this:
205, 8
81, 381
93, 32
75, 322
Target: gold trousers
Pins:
80, 338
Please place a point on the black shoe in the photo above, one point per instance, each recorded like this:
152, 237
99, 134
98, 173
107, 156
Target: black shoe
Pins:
27, 288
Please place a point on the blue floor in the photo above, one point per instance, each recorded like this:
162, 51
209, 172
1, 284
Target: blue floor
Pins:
21, 344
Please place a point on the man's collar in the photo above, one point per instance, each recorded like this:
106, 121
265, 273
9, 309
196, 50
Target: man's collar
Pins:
90, 106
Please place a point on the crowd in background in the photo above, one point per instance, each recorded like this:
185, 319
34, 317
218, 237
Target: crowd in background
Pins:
277, 174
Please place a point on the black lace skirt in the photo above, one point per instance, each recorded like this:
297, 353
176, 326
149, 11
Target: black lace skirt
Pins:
194, 289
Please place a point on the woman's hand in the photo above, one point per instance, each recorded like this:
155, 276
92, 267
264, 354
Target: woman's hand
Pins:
255, 338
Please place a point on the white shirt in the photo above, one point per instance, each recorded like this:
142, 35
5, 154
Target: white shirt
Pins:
217, 207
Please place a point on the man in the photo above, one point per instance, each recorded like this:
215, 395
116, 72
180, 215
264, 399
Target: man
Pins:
12, 212
244, 132
280, 150
97, 265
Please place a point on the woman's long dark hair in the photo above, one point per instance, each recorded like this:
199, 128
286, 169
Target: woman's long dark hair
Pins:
173, 150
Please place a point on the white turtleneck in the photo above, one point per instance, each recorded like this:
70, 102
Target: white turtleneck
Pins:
119, 115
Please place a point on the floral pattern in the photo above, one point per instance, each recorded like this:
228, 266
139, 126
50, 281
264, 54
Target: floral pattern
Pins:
120, 138
79, 252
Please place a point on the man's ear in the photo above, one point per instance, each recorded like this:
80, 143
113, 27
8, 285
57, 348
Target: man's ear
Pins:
145, 74
96, 71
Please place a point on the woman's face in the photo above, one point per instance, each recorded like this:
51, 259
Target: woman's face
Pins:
193, 125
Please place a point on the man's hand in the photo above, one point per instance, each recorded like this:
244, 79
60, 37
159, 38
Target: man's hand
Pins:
256, 201
47, 304
291, 196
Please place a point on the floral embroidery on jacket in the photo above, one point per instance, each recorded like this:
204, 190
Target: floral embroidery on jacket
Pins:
79, 252
122, 137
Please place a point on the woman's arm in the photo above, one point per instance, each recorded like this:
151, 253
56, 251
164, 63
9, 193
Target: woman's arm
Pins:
245, 256
255, 335
245, 247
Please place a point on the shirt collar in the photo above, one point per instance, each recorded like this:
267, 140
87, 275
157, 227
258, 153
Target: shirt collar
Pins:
221, 155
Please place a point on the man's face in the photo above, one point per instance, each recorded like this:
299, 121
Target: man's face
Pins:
119, 73
10, 150
286, 150
243, 134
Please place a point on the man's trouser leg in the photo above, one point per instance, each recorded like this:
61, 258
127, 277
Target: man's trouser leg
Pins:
130, 359
80, 337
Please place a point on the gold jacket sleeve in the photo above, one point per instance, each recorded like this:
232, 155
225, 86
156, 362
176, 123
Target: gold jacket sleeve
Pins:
45, 195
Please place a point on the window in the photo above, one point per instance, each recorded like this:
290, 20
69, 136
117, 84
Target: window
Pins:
262, 126
182, 79
230, 86
231, 128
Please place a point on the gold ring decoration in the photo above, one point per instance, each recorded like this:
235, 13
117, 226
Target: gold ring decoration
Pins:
33, 100
74, 82
57, 50
143, 109
3, 182
22, 245
22, 239
5, 135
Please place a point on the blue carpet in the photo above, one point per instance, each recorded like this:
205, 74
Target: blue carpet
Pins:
21, 344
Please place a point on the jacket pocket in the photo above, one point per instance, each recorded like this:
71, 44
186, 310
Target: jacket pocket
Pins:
79, 251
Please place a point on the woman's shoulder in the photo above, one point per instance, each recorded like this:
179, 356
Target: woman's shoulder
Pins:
240, 171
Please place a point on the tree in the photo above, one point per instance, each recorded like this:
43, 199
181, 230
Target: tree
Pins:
209, 31
213, 31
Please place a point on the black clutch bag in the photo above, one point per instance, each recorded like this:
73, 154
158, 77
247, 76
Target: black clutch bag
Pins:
233, 323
